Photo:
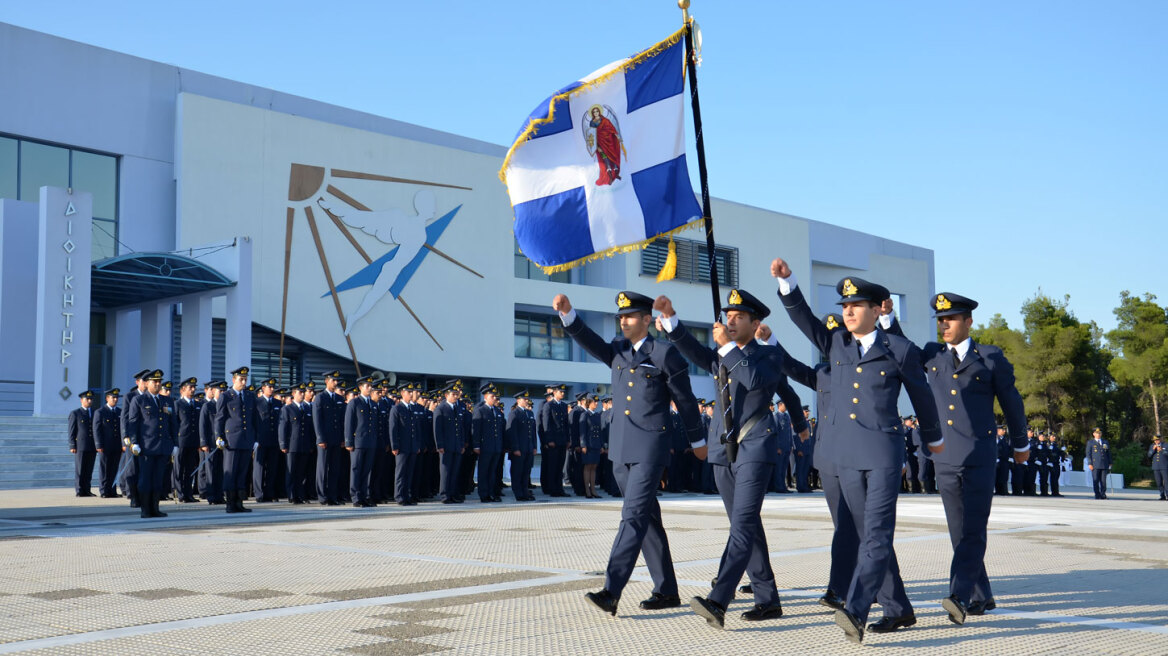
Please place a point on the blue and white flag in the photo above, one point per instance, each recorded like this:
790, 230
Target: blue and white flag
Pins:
599, 167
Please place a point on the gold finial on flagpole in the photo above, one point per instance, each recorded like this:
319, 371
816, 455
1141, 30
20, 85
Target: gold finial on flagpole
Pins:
684, 6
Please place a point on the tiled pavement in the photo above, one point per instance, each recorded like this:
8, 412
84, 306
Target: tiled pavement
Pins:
86, 576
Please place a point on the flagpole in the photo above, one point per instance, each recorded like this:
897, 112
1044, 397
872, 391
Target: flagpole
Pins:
691, 66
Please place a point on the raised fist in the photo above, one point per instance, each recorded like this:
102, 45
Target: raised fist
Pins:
561, 304
886, 307
763, 332
780, 269
664, 305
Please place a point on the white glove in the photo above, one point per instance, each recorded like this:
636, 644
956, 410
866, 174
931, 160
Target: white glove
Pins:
255, 447
174, 453
136, 449
220, 443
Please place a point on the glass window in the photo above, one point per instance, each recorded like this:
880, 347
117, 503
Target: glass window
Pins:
97, 174
8, 164
541, 336
42, 165
103, 240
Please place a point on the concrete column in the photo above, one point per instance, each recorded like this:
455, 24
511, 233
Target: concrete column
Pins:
157, 336
127, 327
196, 337
238, 346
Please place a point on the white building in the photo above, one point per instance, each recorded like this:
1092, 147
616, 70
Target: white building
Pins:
210, 239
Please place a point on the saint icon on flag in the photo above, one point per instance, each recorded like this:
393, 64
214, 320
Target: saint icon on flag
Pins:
602, 136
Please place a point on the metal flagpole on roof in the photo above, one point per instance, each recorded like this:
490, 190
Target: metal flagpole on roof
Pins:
692, 35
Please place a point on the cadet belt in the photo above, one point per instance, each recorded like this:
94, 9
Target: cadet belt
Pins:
732, 444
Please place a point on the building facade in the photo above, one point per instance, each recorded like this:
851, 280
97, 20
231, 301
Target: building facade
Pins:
229, 224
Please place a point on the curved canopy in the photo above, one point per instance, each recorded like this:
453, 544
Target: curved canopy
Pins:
144, 277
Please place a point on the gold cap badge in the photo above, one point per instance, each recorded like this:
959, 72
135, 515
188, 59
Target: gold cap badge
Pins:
849, 288
831, 323
735, 297
943, 303
623, 301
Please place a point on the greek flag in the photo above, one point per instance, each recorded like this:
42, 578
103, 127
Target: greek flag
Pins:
599, 167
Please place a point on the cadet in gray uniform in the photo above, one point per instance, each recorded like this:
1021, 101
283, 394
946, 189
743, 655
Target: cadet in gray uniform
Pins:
646, 375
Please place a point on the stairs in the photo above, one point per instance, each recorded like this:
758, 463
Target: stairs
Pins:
34, 453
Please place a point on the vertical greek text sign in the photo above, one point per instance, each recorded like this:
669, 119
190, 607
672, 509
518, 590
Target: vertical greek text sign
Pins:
63, 300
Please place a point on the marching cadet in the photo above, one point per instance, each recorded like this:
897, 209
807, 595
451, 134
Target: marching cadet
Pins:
235, 427
1054, 462
186, 411
1005, 463
296, 443
1098, 462
211, 469
81, 444
520, 440
1159, 460
266, 467
405, 444
107, 437
149, 429
487, 432
646, 376
591, 444
129, 480
448, 438
553, 441
869, 367
783, 449
328, 416
361, 441
746, 377
965, 378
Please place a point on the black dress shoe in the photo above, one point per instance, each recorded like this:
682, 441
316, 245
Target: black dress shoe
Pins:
831, 600
890, 624
658, 601
980, 607
853, 629
713, 612
764, 612
955, 608
603, 600
746, 589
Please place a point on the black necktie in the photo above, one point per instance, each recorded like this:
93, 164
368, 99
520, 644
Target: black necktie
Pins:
956, 358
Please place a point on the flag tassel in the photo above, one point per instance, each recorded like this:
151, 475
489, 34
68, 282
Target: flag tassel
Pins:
669, 269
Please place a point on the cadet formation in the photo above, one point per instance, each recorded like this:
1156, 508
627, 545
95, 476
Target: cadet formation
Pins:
366, 442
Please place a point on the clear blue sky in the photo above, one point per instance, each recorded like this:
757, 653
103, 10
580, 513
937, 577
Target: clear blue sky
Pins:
1026, 143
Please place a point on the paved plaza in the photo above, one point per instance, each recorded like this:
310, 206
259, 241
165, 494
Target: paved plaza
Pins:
86, 576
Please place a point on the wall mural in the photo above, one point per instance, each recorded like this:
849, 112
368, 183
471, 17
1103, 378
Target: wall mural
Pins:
412, 235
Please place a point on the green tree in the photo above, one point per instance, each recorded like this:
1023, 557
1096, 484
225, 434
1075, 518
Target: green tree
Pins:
1141, 339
